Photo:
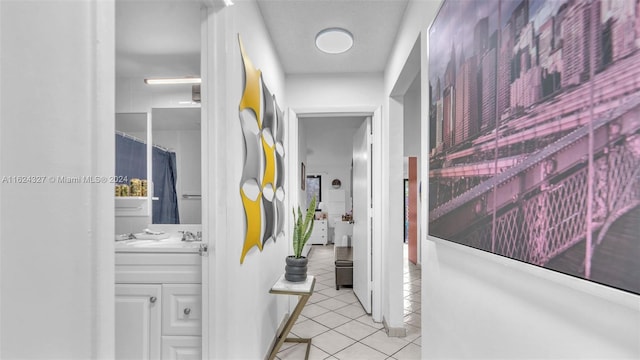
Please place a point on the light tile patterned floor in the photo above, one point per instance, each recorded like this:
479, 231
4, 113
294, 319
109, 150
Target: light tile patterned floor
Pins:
339, 327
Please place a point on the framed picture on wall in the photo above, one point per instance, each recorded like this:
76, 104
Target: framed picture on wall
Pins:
533, 153
314, 187
303, 177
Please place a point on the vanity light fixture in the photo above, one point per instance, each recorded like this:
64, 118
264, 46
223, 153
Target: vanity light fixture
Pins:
173, 81
334, 40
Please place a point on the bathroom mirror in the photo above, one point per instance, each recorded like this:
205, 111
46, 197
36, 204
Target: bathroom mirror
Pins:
176, 160
132, 199
131, 148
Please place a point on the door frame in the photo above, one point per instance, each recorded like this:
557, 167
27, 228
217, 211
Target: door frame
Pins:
211, 31
375, 112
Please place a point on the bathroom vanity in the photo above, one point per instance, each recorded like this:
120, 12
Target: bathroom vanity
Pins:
158, 299
158, 286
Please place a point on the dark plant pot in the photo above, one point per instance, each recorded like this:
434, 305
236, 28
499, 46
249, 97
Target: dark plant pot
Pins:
296, 269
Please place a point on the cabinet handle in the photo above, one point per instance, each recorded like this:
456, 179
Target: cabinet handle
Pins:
153, 299
187, 311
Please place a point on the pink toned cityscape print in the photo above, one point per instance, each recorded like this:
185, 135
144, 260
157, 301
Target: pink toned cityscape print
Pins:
534, 126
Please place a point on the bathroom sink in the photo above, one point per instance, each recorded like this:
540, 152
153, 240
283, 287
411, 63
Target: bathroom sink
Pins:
168, 240
170, 244
163, 242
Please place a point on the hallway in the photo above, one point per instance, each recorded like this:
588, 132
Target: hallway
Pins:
339, 327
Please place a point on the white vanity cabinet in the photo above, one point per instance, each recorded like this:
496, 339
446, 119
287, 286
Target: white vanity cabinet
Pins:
319, 234
158, 306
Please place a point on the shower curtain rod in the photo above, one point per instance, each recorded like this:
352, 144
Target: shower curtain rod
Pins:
141, 141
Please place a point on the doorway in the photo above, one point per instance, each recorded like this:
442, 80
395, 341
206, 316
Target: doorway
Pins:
148, 46
406, 112
326, 148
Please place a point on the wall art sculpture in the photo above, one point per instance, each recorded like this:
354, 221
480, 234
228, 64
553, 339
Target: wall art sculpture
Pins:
535, 133
262, 182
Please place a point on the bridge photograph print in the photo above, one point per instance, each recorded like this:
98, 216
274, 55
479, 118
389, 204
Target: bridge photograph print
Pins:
534, 120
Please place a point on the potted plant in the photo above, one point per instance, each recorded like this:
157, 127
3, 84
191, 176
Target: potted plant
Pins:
296, 269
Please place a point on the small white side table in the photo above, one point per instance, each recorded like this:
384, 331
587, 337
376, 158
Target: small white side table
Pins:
304, 290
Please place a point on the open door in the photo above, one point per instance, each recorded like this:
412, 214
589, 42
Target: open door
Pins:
362, 240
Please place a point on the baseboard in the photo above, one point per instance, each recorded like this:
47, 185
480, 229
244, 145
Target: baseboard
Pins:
285, 318
394, 331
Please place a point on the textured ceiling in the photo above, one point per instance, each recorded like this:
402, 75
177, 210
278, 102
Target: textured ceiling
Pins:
293, 25
162, 37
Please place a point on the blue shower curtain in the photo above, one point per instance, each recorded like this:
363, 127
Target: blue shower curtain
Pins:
131, 162
131, 158
165, 209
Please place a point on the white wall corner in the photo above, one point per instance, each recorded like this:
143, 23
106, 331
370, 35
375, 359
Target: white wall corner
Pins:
102, 197
397, 331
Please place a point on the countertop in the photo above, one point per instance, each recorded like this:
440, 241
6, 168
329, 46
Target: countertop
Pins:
171, 245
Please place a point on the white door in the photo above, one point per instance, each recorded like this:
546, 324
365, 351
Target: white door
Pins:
361, 240
138, 321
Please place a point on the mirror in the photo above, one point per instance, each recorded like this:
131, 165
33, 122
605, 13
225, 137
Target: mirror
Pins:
176, 166
131, 151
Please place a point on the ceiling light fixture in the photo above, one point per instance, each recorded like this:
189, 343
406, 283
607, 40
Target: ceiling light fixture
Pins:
173, 81
334, 40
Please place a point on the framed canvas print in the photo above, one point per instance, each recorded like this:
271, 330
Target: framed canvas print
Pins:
535, 133
314, 187
303, 177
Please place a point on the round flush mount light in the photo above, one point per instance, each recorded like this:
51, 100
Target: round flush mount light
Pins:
334, 40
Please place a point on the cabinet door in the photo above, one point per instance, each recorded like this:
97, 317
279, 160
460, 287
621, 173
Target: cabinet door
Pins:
181, 309
319, 233
138, 314
181, 348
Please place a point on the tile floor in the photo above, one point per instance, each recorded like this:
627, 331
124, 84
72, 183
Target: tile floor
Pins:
339, 327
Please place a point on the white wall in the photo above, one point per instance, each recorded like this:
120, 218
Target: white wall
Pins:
479, 305
330, 150
412, 123
330, 172
331, 92
56, 249
396, 83
243, 316
133, 95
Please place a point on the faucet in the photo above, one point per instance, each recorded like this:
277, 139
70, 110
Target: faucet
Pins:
188, 236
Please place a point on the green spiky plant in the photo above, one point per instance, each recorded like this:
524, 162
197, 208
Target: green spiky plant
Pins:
303, 227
